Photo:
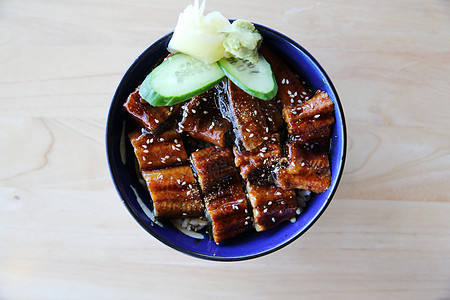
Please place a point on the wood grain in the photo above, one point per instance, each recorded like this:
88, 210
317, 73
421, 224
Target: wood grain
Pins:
65, 233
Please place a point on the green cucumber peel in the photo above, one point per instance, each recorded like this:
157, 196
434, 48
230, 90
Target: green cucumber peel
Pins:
179, 78
256, 79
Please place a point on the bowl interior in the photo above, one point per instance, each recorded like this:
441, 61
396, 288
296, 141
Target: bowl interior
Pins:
136, 197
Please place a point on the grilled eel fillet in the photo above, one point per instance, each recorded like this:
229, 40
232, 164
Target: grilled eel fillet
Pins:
174, 192
254, 120
224, 197
157, 152
153, 118
163, 163
307, 168
311, 121
202, 119
291, 91
258, 164
271, 204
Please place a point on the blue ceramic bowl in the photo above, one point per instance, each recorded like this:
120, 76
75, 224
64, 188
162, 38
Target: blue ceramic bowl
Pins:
248, 245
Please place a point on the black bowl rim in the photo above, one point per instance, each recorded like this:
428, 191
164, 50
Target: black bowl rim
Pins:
235, 258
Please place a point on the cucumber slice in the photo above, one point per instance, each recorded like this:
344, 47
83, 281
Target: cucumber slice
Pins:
256, 79
179, 78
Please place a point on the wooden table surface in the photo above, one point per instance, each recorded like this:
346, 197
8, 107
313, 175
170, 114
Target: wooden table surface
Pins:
64, 233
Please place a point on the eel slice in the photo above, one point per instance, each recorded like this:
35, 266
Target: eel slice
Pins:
202, 119
157, 152
307, 168
225, 201
212, 165
153, 118
311, 121
174, 192
271, 205
254, 120
291, 91
258, 164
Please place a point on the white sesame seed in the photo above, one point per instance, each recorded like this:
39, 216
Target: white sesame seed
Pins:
175, 141
171, 108
145, 151
304, 93
265, 210
269, 203
261, 154
251, 135
287, 81
306, 98
267, 129
212, 125
144, 146
246, 211
265, 138
205, 112
277, 193
183, 183
178, 145
316, 116
179, 159
246, 223
273, 220
193, 111
167, 157
149, 163
144, 158
184, 214
256, 112
178, 181
156, 121
188, 193
161, 140
302, 164
270, 119
263, 149
173, 147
